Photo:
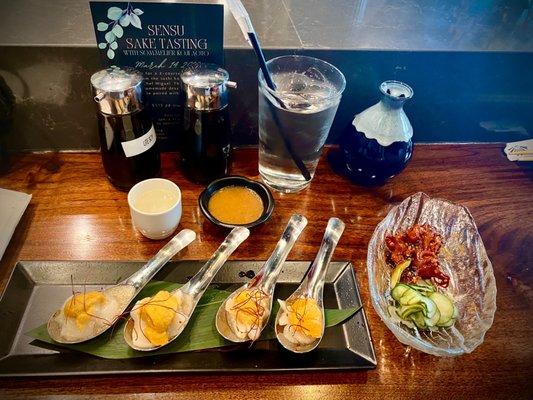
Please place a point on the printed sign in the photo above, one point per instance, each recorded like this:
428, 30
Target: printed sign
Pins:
159, 40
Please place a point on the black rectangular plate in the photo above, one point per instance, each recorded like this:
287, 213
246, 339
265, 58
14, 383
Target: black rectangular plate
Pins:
37, 288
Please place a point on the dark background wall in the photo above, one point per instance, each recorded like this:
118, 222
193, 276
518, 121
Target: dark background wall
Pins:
468, 61
459, 96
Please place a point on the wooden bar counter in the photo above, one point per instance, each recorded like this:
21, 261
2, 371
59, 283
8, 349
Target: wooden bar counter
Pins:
75, 214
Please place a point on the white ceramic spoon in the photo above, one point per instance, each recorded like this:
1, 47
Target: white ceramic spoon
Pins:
193, 290
124, 292
264, 282
312, 287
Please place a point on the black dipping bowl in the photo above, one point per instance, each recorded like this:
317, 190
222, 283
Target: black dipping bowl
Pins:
257, 187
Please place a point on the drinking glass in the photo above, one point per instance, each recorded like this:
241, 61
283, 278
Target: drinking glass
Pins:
295, 119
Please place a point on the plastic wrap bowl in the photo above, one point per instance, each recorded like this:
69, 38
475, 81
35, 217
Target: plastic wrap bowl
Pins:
463, 257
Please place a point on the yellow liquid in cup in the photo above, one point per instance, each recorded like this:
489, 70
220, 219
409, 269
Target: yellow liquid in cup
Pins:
156, 200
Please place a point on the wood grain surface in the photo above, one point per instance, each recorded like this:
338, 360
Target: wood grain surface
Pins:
75, 214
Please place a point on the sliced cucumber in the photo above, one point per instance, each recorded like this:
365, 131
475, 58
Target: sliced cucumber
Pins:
430, 308
444, 305
419, 320
425, 323
421, 303
448, 324
410, 297
424, 289
398, 291
455, 312
430, 322
397, 273
405, 311
393, 311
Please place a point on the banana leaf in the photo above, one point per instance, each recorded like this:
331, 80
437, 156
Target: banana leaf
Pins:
199, 334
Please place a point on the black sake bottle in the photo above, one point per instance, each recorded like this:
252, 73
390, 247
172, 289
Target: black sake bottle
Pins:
128, 140
206, 125
378, 144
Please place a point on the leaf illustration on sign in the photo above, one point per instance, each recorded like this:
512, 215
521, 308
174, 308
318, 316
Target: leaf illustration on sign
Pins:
114, 13
135, 21
110, 37
119, 19
118, 31
125, 20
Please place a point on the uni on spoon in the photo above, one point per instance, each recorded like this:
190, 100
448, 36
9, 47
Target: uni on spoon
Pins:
245, 313
86, 315
300, 322
156, 321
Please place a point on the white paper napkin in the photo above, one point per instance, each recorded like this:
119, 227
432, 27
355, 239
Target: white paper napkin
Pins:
12, 206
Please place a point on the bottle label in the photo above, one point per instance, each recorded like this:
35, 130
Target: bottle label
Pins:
137, 146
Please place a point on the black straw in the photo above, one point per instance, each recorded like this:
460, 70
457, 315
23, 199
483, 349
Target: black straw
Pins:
270, 83
262, 62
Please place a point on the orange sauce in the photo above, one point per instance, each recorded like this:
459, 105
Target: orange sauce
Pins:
236, 205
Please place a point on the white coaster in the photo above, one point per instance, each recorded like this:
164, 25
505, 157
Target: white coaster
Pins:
519, 151
12, 206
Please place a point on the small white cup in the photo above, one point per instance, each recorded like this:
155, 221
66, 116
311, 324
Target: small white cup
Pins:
155, 225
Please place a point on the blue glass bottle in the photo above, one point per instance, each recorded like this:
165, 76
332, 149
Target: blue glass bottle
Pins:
378, 144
